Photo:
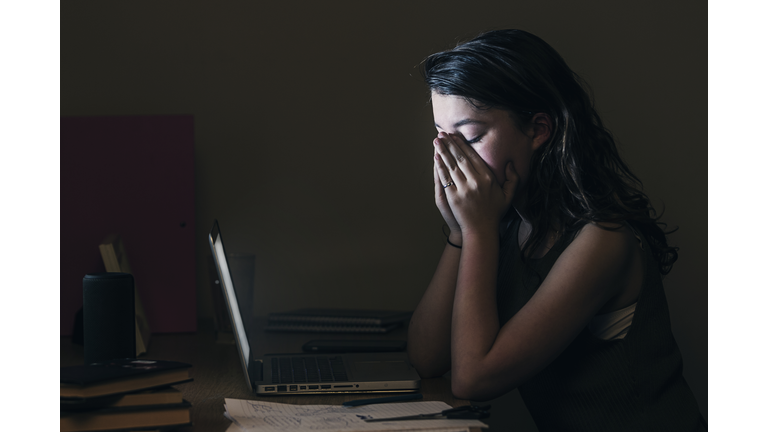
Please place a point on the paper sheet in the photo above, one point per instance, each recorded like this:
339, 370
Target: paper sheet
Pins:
235, 428
258, 416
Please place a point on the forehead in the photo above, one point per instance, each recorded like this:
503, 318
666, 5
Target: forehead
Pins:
452, 106
452, 111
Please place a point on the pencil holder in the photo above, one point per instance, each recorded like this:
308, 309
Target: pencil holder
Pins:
109, 323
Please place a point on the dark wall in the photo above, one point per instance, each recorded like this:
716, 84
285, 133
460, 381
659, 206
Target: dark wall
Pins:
313, 132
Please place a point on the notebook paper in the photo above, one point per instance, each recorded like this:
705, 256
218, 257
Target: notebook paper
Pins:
235, 428
259, 416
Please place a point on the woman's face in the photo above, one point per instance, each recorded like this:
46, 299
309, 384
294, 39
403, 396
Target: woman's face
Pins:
492, 133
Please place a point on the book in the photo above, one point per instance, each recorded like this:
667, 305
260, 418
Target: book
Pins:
320, 328
116, 261
341, 317
160, 396
120, 376
126, 418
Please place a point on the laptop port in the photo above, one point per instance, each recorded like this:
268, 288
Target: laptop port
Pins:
313, 387
269, 389
294, 388
325, 386
282, 388
343, 386
302, 387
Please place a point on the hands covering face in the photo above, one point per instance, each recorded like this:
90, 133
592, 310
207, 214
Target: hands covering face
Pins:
466, 191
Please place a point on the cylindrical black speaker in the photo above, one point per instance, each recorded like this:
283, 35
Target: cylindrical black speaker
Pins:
109, 317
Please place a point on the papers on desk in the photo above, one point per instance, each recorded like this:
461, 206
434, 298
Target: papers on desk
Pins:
235, 428
258, 416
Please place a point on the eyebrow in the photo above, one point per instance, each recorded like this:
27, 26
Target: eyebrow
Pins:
461, 123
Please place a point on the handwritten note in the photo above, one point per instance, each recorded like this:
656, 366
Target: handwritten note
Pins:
261, 416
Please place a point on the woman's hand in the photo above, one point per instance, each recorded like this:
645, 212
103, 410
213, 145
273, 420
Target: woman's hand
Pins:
475, 199
445, 209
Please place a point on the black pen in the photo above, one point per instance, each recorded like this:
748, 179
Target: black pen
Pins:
399, 398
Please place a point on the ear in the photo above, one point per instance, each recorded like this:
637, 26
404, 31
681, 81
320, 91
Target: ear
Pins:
542, 129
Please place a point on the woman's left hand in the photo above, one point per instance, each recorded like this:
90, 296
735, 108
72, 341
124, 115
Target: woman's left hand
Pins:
474, 194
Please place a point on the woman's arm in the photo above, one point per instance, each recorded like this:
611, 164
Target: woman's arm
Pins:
488, 361
429, 334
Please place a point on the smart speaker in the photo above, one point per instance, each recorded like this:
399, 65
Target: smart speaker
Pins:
109, 317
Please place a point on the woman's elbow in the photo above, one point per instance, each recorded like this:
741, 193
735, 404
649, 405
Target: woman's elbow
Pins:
475, 388
427, 364
426, 369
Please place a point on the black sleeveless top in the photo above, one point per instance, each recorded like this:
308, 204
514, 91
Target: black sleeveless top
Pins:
632, 384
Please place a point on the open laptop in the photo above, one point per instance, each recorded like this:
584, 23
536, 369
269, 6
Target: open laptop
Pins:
383, 372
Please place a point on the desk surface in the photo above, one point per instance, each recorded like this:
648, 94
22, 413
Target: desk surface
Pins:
217, 372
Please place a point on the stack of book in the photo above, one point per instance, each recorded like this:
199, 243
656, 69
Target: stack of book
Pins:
337, 320
124, 394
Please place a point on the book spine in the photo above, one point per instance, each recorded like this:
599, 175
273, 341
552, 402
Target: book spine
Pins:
294, 327
325, 320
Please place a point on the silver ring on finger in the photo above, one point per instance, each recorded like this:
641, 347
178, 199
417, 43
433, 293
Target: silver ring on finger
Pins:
450, 183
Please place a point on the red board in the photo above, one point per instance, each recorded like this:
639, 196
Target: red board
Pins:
132, 175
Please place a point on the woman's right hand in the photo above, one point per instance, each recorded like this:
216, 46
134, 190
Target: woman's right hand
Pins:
445, 209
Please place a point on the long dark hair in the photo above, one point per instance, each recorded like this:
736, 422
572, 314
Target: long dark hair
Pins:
577, 176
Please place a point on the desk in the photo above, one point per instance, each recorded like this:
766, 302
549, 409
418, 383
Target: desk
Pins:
217, 372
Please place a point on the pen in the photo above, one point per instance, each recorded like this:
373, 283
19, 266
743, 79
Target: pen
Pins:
400, 398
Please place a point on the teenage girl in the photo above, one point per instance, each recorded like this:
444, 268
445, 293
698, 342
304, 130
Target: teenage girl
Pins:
550, 280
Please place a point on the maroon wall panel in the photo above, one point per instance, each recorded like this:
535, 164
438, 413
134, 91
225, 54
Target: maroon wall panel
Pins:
132, 175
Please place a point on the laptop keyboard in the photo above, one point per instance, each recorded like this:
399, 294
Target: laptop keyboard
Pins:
288, 370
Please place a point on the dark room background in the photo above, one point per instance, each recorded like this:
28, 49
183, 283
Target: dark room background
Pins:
312, 129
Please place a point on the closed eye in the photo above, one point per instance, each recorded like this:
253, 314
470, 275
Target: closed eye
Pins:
474, 140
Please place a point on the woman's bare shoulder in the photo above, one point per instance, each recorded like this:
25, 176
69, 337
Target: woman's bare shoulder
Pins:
615, 250
608, 234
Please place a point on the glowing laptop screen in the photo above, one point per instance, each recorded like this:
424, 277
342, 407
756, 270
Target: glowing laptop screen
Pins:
221, 258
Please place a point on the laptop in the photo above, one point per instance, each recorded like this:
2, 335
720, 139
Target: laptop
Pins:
384, 372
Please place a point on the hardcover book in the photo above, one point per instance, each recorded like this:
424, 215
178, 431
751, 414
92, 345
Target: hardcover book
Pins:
120, 376
349, 317
319, 328
126, 418
159, 396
